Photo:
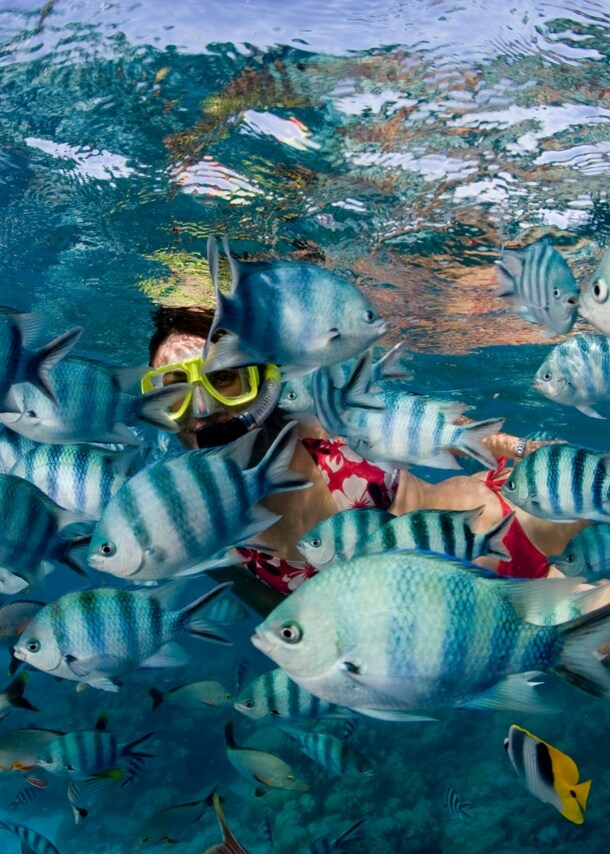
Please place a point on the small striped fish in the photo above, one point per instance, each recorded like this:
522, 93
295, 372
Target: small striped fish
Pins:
341, 536
81, 478
273, 694
452, 802
587, 554
172, 516
577, 373
332, 753
562, 483
419, 430
35, 842
83, 754
25, 796
446, 532
328, 844
541, 285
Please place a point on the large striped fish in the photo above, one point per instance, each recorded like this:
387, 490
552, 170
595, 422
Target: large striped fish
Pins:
94, 635
587, 554
562, 483
95, 403
32, 842
12, 447
274, 695
540, 284
548, 774
82, 478
317, 318
170, 518
341, 536
404, 630
577, 373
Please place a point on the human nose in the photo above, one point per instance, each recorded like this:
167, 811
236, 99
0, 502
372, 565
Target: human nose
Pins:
199, 407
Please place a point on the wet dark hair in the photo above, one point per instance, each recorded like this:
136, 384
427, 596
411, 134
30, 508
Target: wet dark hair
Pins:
182, 320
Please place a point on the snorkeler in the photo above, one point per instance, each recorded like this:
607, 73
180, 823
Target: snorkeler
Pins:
225, 403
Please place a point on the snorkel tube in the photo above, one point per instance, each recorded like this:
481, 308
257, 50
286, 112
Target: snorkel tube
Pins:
262, 407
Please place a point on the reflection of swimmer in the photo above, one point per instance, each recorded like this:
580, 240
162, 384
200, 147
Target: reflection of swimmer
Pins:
224, 403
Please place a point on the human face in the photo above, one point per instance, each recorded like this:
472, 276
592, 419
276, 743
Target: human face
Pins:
202, 411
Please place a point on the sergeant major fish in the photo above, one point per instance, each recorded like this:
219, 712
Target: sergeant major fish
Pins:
541, 284
340, 322
586, 555
548, 774
577, 373
94, 635
32, 842
341, 536
170, 518
593, 302
404, 630
274, 695
562, 483
332, 753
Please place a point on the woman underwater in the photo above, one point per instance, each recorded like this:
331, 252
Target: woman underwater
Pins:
222, 405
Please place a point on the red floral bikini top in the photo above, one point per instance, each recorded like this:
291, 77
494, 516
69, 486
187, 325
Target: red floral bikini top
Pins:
526, 560
353, 482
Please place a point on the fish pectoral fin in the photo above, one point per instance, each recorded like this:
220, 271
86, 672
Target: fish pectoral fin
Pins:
82, 667
588, 410
169, 655
261, 791
392, 715
515, 692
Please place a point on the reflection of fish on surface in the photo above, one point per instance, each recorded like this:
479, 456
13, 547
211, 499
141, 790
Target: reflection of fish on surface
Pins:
405, 630
547, 773
229, 844
262, 767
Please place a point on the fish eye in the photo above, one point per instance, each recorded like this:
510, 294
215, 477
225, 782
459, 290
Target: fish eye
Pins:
368, 315
600, 290
556, 293
108, 549
249, 704
47, 760
570, 558
30, 414
32, 645
274, 712
511, 485
291, 632
548, 376
292, 395
290, 777
315, 543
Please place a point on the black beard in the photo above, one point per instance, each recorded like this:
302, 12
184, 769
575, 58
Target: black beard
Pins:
220, 433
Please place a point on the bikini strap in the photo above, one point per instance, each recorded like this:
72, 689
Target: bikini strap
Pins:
495, 479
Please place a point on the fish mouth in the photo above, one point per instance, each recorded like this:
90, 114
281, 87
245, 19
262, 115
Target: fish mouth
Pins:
262, 643
19, 654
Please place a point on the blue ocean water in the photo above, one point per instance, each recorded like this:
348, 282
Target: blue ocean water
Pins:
400, 144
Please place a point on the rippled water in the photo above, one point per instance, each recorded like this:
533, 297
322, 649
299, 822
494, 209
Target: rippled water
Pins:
399, 143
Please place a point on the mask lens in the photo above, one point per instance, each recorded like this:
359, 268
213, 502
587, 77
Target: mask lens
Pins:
230, 383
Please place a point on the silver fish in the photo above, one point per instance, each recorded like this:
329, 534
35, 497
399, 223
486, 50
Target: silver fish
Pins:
586, 555
340, 322
403, 630
577, 373
593, 302
341, 536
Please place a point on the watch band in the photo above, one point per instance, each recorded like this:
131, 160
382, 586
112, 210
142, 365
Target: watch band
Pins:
521, 445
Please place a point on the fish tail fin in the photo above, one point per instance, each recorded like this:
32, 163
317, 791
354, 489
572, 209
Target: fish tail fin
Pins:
230, 735
273, 468
492, 545
128, 749
156, 696
471, 440
580, 663
389, 367
152, 405
14, 693
42, 361
195, 624
348, 834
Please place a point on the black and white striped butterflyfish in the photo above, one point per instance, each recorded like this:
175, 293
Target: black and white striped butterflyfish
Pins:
548, 773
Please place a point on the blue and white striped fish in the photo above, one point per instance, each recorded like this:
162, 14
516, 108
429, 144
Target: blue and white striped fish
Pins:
418, 430
81, 478
338, 402
81, 755
404, 630
332, 753
562, 483
92, 636
341, 536
173, 516
25, 796
577, 373
94, 404
455, 805
541, 285
587, 554
30, 534
448, 532
338, 320
274, 695
36, 843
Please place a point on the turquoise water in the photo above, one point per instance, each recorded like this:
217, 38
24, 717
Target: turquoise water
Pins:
400, 144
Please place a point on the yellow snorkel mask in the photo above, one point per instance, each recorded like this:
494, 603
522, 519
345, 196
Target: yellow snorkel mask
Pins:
229, 387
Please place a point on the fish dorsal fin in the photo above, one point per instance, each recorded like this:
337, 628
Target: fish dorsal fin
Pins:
102, 722
227, 834
129, 379
232, 263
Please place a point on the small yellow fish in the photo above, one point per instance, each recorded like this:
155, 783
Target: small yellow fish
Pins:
548, 773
